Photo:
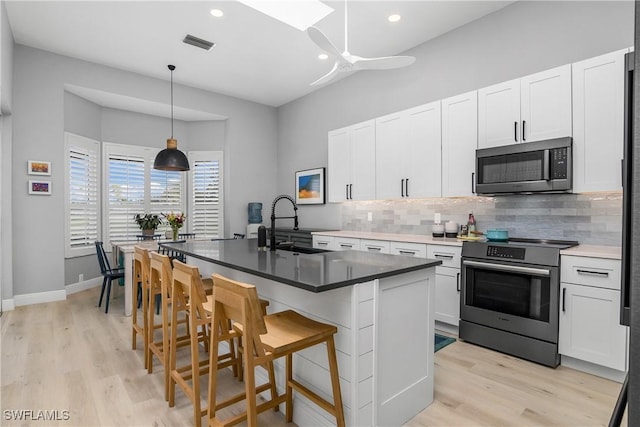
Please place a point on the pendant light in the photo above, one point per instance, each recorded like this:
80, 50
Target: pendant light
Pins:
171, 159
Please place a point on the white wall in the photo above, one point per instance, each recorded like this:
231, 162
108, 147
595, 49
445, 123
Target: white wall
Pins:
523, 38
38, 133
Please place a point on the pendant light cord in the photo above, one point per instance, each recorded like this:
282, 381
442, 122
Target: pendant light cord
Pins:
171, 68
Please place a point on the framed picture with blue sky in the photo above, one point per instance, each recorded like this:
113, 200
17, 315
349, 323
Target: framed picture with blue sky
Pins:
310, 187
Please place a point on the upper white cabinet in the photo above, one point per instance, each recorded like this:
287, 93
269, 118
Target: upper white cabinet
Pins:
598, 122
408, 160
531, 108
459, 143
351, 163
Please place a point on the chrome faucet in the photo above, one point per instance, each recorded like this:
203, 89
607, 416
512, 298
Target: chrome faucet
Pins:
272, 241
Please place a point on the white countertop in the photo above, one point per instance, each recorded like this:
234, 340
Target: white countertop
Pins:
594, 251
410, 238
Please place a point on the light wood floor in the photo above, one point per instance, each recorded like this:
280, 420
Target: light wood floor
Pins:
69, 355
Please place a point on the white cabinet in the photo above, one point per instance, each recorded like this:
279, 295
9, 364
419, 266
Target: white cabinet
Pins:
323, 242
590, 312
379, 246
447, 304
351, 163
408, 249
459, 143
598, 122
528, 109
408, 160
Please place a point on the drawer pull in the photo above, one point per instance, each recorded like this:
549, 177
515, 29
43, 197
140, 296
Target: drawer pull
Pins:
458, 282
593, 273
345, 245
406, 252
443, 256
374, 248
322, 243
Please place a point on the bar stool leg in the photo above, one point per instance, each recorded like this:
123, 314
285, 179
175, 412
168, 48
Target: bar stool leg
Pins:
335, 382
289, 391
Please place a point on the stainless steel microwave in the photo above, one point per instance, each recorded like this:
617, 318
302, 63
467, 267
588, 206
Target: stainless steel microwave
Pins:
532, 167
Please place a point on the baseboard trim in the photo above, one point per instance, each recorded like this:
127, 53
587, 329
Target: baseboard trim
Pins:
83, 286
593, 369
40, 297
8, 305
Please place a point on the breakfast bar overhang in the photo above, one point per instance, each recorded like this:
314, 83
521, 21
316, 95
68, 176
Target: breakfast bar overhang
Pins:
383, 307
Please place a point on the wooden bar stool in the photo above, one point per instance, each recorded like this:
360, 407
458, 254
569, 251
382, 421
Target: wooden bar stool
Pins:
264, 339
188, 295
161, 283
141, 267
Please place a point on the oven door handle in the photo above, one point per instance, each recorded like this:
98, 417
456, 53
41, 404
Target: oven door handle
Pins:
507, 268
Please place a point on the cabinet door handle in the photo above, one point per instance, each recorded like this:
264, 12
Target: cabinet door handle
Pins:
524, 123
346, 191
402, 187
401, 252
473, 181
515, 131
593, 273
443, 256
458, 282
351, 191
406, 187
564, 293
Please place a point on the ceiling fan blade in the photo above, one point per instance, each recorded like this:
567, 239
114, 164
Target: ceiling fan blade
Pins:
384, 63
323, 42
327, 76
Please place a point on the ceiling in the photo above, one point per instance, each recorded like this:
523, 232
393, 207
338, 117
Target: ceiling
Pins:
255, 57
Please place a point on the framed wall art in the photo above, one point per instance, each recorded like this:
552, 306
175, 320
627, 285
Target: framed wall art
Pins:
40, 188
37, 167
310, 187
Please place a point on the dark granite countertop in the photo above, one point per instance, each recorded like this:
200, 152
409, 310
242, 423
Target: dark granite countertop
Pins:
313, 272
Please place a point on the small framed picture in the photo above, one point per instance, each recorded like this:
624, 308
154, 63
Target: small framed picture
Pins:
310, 188
37, 167
41, 188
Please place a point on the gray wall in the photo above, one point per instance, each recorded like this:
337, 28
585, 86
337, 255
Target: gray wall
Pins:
38, 133
523, 38
6, 82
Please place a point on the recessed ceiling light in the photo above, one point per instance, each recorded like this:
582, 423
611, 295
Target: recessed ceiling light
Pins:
323, 56
217, 13
394, 18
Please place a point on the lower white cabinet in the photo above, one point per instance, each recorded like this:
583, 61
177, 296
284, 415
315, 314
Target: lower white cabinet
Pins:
379, 246
590, 327
346, 244
447, 306
323, 242
408, 249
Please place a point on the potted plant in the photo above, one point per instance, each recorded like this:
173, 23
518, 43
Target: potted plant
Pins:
148, 223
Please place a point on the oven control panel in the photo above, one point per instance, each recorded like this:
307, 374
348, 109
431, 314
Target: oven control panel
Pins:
506, 252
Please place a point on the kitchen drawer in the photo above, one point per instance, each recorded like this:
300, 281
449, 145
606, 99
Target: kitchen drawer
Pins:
408, 249
346, 244
380, 246
323, 242
449, 255
598, 272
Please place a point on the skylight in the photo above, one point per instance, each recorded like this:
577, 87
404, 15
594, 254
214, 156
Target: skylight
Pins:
300, 14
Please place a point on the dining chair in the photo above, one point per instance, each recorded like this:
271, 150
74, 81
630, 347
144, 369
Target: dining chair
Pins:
264, 339
109, 274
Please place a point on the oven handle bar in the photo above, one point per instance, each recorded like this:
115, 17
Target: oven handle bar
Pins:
508, 268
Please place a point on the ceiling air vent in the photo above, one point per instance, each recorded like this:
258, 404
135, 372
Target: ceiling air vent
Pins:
198, 42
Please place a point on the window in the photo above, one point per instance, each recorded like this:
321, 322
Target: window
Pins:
134, 187
82, 193
206, 213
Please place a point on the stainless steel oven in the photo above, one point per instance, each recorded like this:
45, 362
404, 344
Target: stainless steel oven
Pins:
509, 297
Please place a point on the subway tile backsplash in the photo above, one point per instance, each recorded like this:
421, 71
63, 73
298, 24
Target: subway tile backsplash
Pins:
591, 218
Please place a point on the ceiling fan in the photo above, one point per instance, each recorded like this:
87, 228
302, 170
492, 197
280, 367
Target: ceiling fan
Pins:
345, 61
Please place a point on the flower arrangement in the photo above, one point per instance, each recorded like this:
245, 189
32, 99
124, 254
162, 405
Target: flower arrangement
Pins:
176, 221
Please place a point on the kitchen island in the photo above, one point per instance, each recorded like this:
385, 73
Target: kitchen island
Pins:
381, 304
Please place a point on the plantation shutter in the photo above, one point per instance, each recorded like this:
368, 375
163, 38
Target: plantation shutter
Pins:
166, 193
126, 192
82, 195
206, 194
